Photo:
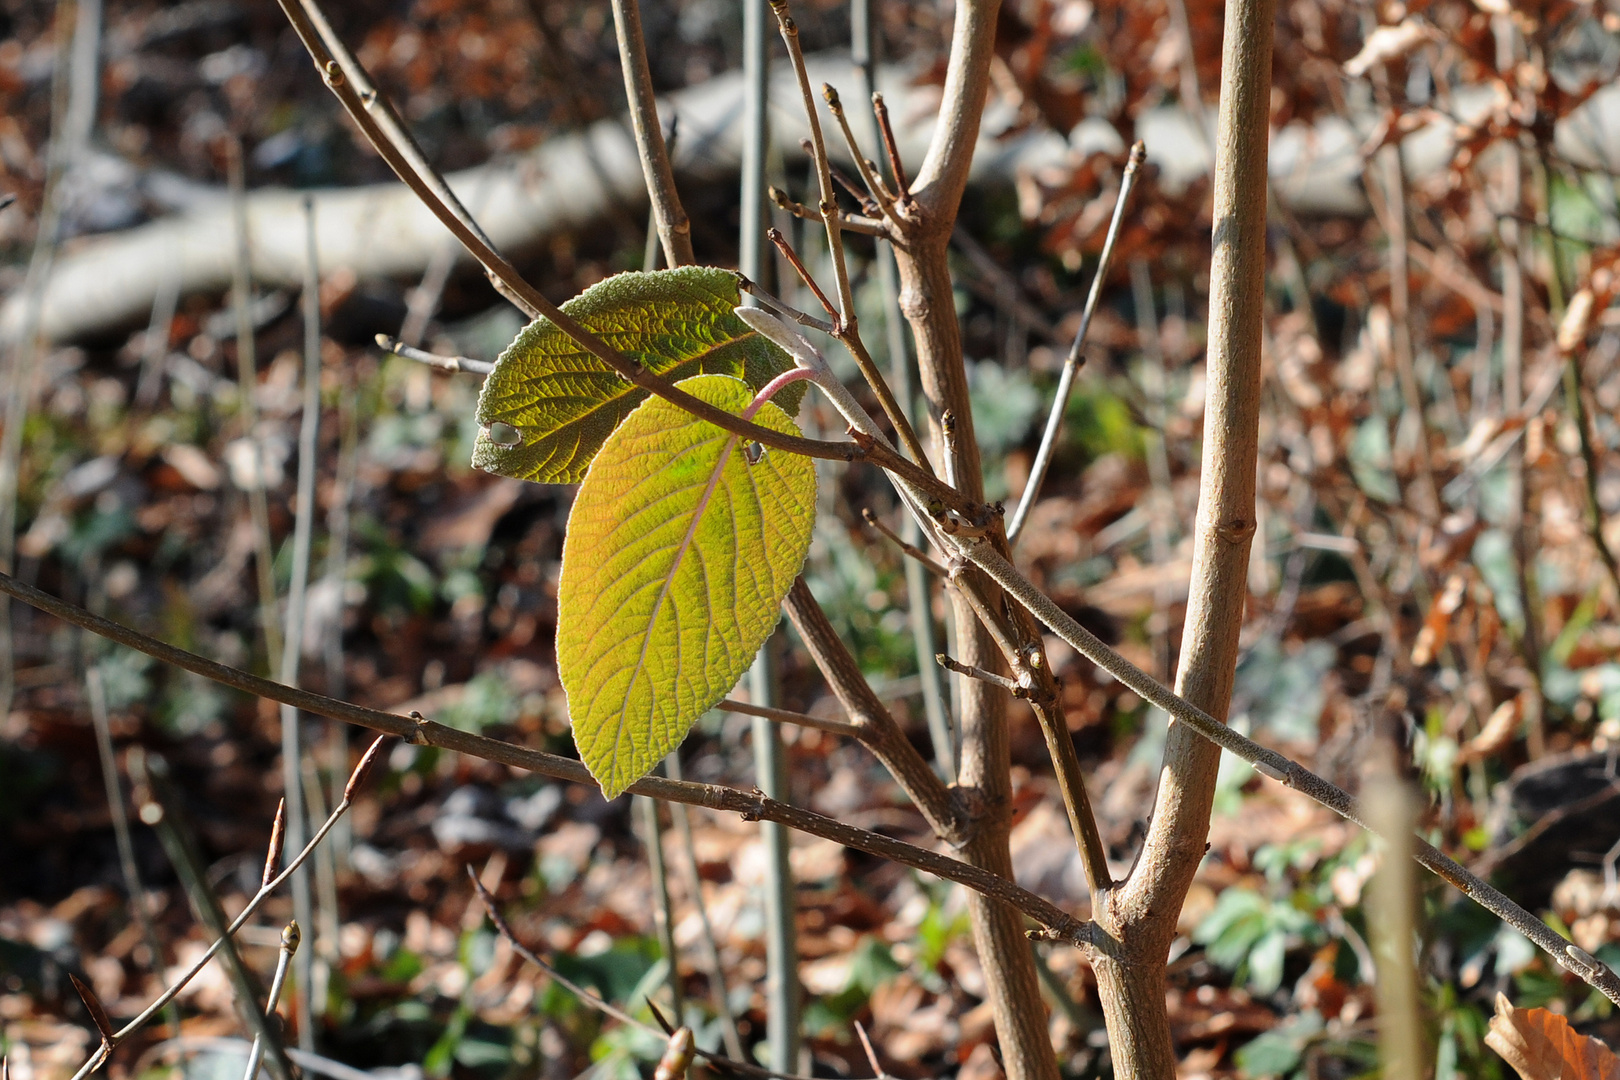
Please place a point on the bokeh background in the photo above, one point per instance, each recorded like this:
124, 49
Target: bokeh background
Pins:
1433, 570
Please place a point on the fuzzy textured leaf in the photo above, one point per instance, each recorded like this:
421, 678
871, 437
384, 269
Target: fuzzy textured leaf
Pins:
556, 403
1540, 1045
678, 553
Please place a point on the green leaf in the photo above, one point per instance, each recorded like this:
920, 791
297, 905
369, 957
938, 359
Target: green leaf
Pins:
677, 557
548, 406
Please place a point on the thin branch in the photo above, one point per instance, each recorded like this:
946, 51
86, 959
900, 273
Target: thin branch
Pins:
818, 154
1015, 633
674, 230
1280, 768
879, 194
601, 1004
1071, 364
380, 114
905, 546
851, 186
97, 694
878, 730
891, 149
982, 675
844, 319
163, 814
781, 307
290, 937
356, 778
786, 248
443, 363
853, 222
420, 731
786, 716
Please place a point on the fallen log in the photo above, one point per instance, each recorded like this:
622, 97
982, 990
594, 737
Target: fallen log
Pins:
109, 281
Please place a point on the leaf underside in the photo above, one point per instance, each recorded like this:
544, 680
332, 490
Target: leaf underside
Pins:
563, 402
1541, 1045
677, 556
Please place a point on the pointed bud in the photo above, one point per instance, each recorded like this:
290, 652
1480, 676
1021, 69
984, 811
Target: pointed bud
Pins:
367, 759
92, 1004
278, 837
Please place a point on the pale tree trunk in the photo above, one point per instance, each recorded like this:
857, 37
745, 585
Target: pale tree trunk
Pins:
1140, 915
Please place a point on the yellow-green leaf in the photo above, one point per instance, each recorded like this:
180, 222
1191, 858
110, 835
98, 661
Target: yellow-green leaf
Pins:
548, 405
682, 543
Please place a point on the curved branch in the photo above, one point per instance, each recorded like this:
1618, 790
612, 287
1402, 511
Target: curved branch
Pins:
1056, 924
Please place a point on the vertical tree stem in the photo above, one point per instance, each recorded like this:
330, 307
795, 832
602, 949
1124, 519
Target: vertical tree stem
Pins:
1140, 917
919, 589
674, 230
292, 753
984, 765
770, 766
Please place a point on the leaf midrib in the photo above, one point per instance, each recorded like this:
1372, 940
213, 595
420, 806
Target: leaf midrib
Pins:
663, 592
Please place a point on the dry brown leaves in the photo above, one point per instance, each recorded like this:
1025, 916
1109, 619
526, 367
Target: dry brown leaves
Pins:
1540, 1045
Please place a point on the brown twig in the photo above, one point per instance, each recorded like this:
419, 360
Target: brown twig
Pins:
786, 716
781, 307
786, 248
891, 148
853, 222
879, 196
601, 1004
356, 778
674, 230
908, 548
982, 675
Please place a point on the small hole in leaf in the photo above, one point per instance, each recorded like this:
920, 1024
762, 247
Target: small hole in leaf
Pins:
502, 434
753, 452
